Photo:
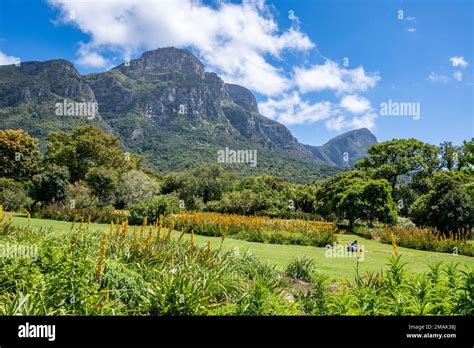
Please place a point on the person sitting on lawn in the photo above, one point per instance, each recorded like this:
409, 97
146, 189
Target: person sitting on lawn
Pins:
352, 247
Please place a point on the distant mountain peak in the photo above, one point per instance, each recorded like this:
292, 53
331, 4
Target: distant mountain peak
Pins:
167, 58
345, 149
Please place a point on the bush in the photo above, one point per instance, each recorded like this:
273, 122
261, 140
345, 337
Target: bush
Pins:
64, 212
103, 183
154, 208
51, 185
238, 202
301, 269
135, 186
427, 239
259, 229
13, 196
446, 207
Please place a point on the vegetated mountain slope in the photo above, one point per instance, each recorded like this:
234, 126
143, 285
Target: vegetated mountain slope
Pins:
165, 106
345, 149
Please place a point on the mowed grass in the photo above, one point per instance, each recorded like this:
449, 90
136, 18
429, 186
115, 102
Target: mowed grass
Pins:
337, 269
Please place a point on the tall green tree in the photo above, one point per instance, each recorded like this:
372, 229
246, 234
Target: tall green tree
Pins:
19, 155
396, 157
51, 184
466, 154
103, 183
447, 206
86, 147
353, 196
448, 155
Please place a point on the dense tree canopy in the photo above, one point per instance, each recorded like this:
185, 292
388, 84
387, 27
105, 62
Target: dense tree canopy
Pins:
447, 206
86, 147
19, 155
396, 157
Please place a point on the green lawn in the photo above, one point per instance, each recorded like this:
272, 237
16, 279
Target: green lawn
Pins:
280, 255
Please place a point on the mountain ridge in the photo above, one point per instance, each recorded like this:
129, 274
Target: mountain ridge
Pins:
166, 106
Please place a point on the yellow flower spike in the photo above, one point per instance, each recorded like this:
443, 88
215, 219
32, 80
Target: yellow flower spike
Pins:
135, 236
181, 234
99, 271
192, 238
117, 231
149, 239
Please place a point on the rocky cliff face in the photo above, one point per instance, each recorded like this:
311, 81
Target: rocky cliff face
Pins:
42, 82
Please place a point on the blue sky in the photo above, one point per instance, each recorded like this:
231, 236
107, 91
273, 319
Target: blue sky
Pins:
320, 67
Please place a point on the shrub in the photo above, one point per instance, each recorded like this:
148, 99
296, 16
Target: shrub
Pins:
51, 185
259, 228
427, 239
135, 186
103, 183
13, 196
154, 208
301, 269
63, 211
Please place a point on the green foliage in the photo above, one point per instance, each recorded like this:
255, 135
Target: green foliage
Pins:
154, 208
396, 157
352, 196
238, 202
102, 182
19, 155
86, 147
447, 206
13, 196
204, 183
301, 269
135, 186
51, 185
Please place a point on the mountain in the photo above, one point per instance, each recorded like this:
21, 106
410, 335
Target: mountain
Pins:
345, 149
165, 106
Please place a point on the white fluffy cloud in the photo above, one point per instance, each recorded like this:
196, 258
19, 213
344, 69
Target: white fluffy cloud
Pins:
331, 76
458, 61
457, 75
91, 59
355, 103
232, 39
292, 109
433, 77
344, 123
6, 59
